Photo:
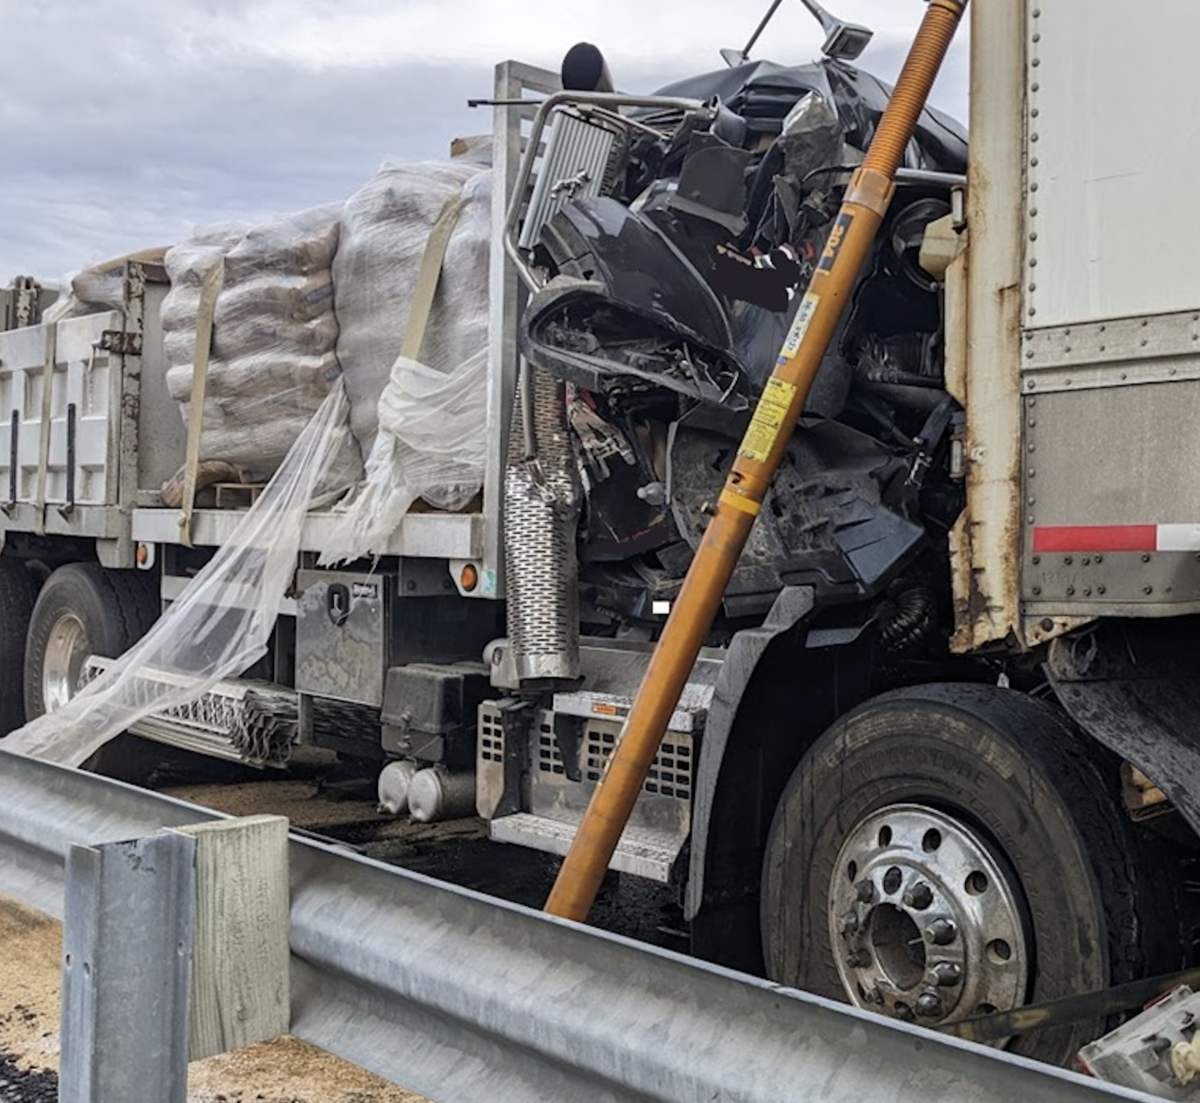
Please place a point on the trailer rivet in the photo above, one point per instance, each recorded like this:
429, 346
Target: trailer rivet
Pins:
1145, 558
1068, 560
1087, 591
1047, 624
1102, 589
1147, 590
1037, 591
1070, 591
1085, 561
1036, 560
1099, 559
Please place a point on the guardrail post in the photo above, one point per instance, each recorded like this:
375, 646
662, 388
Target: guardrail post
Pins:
240, 989
127, 959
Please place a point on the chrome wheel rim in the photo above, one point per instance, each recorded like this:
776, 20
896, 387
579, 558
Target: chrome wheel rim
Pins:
925, 921
62, 665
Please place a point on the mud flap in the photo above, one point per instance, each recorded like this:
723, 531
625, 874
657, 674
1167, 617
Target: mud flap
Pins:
792, 606
1131, 689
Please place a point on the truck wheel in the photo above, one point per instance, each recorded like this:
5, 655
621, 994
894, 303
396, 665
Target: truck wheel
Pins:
84, 609
18, 592
951, 850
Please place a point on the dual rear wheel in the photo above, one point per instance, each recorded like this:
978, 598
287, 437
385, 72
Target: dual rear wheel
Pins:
47, 633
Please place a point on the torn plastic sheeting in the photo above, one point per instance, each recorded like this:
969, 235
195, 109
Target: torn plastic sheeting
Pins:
222, 621
431, 444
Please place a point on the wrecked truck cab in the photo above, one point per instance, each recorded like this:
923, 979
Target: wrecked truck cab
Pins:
667, 252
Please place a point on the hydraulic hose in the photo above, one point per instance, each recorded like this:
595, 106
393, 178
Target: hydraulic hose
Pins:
762, 448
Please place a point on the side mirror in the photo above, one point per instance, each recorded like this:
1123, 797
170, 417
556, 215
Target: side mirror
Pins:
843, 41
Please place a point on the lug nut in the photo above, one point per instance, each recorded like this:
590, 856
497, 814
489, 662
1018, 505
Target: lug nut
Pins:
941, 932
920, 896
858, 959
904, 1013
929, 1004
946, 973
873, 995
865, 891
851, 924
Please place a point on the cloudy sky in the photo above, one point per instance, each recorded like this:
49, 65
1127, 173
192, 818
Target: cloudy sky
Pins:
126, 123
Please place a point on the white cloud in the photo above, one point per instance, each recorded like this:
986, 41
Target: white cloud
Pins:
126, 122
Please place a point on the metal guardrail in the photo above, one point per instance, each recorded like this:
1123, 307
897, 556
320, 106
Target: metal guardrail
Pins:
467, 998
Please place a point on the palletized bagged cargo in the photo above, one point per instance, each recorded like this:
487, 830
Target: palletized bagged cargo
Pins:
273, 355
385, 230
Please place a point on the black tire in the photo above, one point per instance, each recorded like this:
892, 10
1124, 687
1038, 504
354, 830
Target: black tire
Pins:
18, 593
115, 609
1095, 903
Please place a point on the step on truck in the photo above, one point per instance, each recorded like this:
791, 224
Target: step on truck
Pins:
938, 758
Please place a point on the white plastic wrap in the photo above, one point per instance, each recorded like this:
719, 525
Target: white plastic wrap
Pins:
221, 622
385, 227
431, 444
273, 357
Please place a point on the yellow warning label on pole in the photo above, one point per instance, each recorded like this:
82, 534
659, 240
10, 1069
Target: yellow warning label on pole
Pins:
768, 417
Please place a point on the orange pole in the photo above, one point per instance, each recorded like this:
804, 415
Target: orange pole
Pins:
850, 241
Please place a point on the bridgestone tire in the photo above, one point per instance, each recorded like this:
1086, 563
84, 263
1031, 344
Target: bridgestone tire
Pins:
1017, 773
18, 593
116, 608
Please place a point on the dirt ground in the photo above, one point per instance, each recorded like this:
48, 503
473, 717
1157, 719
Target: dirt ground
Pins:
282, 1071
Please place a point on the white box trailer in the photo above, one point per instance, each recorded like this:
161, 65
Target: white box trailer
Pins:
938, 759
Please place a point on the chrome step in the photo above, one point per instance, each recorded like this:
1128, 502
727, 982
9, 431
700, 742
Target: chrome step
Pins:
642, 851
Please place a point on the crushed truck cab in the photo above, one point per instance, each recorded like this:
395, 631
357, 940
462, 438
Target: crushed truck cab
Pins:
936, 757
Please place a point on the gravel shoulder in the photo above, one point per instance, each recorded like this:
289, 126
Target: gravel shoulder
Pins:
282, 1071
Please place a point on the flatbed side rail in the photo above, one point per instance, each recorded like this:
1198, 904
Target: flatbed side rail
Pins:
464, 997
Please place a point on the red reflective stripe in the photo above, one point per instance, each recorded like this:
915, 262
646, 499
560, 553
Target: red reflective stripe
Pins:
1095, 538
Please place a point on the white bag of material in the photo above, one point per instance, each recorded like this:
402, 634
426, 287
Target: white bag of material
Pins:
385, 228
220, 624
431, 444
273, 355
